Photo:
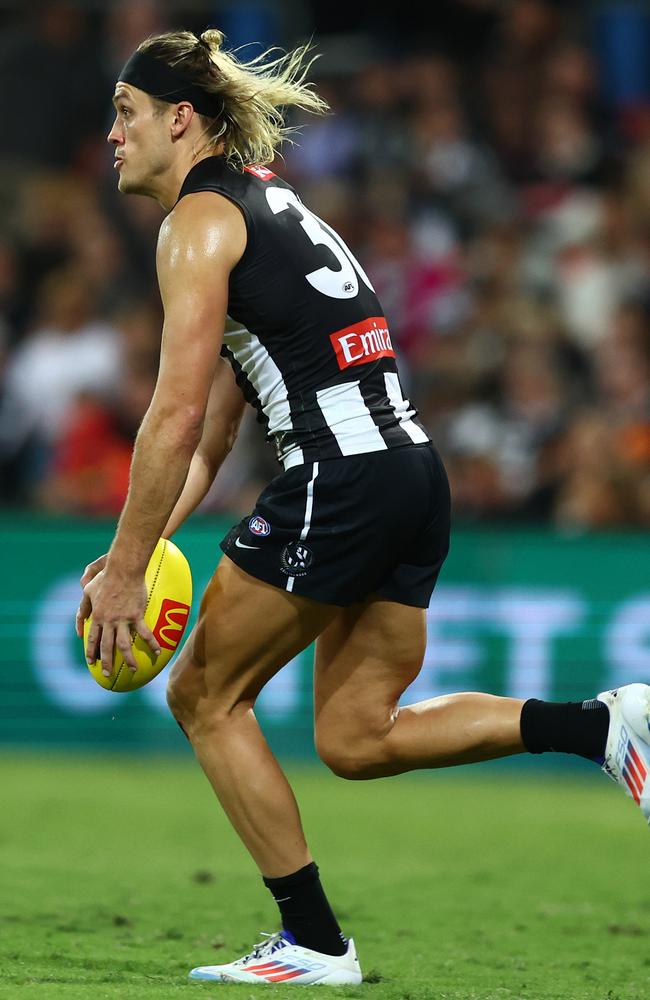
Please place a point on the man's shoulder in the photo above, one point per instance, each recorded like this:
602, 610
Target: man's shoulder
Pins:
202, 226
199, 213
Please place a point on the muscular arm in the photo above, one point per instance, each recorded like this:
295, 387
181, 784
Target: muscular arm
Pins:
222, 419
199, 244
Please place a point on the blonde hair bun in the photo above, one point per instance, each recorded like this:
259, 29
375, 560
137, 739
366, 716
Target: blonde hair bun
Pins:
212, 38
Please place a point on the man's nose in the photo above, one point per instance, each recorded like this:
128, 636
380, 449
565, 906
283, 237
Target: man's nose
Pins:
114, 136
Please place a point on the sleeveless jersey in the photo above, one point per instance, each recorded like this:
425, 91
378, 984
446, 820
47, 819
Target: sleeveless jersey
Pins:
306, 337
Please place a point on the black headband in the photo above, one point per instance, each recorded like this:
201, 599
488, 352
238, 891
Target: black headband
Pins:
159, 80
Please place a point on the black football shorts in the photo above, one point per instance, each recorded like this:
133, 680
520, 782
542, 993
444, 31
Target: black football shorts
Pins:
342, 529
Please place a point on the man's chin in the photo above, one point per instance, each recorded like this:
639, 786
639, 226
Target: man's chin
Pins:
126, 185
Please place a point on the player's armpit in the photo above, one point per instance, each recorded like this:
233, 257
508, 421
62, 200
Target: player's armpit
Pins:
199, 244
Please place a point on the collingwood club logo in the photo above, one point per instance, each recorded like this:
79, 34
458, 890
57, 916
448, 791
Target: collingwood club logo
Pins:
296, 559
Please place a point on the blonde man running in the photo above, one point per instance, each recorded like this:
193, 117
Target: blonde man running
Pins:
345, 545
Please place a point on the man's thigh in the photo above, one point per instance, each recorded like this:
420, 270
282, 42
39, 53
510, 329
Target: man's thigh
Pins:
365, 658
246, 631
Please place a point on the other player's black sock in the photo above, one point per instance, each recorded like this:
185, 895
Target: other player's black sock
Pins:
578, 727
306, 912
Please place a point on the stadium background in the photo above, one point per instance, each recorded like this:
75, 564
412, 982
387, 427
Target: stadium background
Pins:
489, 162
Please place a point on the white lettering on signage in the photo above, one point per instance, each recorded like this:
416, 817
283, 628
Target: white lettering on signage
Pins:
57, 653
459, 621
280, 698
627, 642
532, 619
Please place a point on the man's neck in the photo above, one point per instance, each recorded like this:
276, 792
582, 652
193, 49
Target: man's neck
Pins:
171, 187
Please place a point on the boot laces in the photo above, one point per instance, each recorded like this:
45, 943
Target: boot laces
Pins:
264, 948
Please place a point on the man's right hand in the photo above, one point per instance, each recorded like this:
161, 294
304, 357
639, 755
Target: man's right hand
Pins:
84, 610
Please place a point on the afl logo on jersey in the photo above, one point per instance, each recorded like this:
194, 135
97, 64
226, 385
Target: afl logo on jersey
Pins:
259, 526
296, 559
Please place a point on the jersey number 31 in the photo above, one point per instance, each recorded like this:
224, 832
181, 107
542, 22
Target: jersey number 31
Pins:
342, 284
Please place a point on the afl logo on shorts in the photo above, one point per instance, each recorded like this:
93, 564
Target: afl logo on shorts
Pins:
259, 526
296, 559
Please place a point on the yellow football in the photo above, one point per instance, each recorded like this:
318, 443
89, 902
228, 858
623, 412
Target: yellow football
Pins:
169, 598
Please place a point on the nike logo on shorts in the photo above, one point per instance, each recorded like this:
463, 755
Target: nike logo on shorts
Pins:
240, 545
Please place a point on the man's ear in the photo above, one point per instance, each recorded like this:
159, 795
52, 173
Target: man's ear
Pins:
183, 115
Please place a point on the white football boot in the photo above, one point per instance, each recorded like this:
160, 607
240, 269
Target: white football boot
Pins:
627, 754
279, 959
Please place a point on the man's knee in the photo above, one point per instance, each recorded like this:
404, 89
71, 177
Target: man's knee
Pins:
186, 696
179, 700
355, 758
198, 712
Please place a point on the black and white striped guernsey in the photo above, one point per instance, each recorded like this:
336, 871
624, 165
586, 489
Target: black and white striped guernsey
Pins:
307, 339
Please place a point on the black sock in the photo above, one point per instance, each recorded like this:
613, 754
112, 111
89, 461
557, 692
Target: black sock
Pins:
578, 727
306, 912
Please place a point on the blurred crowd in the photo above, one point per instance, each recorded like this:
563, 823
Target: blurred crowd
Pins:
498, 200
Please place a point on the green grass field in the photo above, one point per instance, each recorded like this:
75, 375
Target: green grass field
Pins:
119, 875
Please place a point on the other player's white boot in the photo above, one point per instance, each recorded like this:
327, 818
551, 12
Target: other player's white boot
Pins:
627, 754
279, 959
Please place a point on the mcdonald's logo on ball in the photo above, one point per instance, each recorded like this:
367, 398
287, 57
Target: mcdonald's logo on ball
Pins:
171, 623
